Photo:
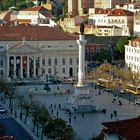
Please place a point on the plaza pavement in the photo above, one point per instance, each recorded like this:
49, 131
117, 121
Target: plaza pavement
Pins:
90, 124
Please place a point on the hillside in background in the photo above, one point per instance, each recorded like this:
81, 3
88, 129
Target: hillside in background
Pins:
20, 4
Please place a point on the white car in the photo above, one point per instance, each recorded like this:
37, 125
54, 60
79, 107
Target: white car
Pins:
2, 110
137, 101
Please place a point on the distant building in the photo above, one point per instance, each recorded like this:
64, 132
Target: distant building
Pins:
132, 55
137, 24
37, 15
113, 17
108, 3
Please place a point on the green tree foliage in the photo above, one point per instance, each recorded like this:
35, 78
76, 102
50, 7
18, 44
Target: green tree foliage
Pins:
20, 4
58, 129
123, 41
103, 55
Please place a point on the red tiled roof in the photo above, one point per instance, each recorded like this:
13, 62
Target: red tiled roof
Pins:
40, 33
114, 12
120, 12
129, 129
136, 40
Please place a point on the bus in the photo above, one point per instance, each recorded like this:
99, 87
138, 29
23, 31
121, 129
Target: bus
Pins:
105, 83
133, 89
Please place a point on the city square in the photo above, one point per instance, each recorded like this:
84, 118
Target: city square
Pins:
90, 124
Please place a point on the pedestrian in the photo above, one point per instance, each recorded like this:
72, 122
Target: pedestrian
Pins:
70, 113
52, 111
20, 115
82, 115
15, 114
55, 105
69, 120
111, 116
74, 118
57, 113
74, 110
115, 113
59, 106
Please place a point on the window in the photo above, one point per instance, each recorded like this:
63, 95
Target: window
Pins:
43, 62
63, 70
49, 70
70, 61
63, 61
55, 61
49, 61
70, 46
49, 46
43, 71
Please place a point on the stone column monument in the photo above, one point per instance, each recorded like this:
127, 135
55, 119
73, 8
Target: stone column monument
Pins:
81, 101
81, 85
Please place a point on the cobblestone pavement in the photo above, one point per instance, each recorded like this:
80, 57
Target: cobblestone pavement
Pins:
90, 124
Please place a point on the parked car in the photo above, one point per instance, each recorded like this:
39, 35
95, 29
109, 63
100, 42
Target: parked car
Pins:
2, 110
137, 101
123, 92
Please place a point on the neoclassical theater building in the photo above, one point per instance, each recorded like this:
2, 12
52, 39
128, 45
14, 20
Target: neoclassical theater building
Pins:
37, 51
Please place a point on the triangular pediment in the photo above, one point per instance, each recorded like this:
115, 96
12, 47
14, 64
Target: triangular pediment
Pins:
23, 48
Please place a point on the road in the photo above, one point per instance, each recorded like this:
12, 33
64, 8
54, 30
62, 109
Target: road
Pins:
12, 127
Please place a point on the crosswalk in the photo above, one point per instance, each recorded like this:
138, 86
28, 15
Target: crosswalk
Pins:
5, 116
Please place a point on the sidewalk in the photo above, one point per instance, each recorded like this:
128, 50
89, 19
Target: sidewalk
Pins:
28, 126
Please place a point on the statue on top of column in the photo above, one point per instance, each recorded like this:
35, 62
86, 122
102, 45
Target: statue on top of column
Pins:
82, 27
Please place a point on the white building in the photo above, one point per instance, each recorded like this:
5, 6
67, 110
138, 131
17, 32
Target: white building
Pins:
113, 17
132, 54
37, 15
36, 51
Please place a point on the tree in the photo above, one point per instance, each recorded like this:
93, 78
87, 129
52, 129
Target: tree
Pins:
103, 55
44, 117
35, 111
120, 44
26, 106
58, 129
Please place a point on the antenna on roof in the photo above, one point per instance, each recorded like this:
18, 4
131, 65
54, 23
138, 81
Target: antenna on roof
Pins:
23, 41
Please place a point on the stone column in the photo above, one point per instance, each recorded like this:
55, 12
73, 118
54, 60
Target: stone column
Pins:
14, 67
21, 67
28, 66
34, 67
40, 66
8, 66
81, 69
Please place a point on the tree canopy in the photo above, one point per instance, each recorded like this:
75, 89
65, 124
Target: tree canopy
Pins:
123, 41
103, 55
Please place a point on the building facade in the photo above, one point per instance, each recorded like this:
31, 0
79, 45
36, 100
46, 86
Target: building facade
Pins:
132, 55
115, 17
108, 3
34, 52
